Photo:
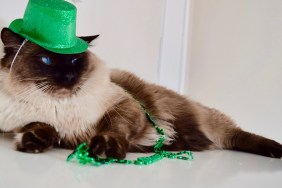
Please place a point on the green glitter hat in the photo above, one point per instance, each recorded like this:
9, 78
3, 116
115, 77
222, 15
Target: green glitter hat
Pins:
52, 25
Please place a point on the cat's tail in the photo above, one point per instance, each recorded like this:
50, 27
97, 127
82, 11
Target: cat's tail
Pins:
224, 133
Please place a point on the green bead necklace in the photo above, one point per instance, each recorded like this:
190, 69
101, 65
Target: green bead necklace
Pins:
81, 153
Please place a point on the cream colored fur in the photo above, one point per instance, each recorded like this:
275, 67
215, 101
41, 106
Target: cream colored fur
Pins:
71, 117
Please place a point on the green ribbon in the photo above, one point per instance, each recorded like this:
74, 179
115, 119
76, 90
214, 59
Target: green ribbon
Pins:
81, 153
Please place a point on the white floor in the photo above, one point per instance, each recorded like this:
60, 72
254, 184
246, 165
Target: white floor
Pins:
218, 169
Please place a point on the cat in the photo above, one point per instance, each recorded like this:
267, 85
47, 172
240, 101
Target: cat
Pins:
61, 100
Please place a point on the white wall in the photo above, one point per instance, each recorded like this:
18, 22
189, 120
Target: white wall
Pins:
173, 52
9, 10
130, 30
236, 61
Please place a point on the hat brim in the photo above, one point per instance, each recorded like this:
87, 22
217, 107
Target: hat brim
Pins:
79, 47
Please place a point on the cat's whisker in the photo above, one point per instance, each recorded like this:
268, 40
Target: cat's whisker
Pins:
33, 79
111, 124
12, 46
114, 108
46, 88
27, 92
84, 78
107, 113
24, 91
82, 90
98, 105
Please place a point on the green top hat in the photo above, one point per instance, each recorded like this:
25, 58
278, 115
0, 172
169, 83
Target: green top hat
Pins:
52, 25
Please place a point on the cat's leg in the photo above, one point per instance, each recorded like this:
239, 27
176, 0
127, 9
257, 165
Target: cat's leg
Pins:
35, 137
118, 129
225, 134
109, 145
252, 143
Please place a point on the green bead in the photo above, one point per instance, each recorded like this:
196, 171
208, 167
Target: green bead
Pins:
82, 152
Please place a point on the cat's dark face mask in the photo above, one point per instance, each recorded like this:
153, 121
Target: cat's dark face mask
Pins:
58, 74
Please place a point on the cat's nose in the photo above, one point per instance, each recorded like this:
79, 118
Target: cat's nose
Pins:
69, 80
70, 77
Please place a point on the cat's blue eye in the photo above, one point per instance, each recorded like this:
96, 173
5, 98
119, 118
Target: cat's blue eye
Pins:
46, 60
74, 61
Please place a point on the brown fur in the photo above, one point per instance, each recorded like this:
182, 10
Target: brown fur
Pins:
198, 127
123, 125
36, 137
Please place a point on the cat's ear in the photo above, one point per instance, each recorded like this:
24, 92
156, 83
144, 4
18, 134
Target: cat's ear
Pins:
10, 39
89, 39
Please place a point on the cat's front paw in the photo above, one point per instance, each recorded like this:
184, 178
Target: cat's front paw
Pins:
35, 138
108, 146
